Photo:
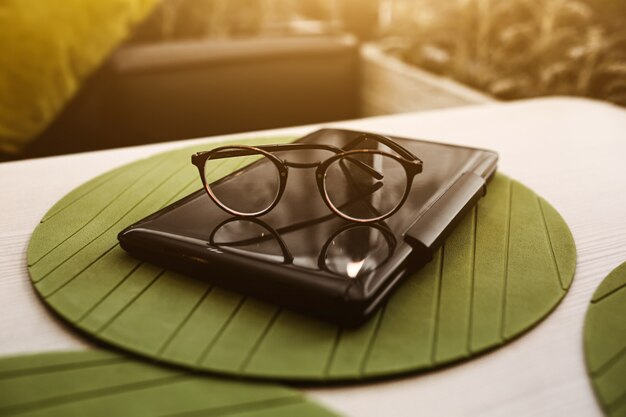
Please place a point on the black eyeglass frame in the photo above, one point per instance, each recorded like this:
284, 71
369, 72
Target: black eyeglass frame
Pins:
412, 166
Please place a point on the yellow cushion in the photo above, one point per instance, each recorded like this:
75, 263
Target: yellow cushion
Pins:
47, 49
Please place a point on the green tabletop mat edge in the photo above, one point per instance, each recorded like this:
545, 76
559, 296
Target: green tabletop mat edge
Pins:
144, 276
605, 342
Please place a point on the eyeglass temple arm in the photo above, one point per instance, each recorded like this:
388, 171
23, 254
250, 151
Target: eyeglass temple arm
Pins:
385, 141
378, 185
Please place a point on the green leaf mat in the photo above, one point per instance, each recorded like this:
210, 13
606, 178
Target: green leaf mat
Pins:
99, 383
506, 266
605, 342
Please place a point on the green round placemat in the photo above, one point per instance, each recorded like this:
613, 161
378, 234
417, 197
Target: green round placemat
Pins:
505, 267
99, 383
605, 342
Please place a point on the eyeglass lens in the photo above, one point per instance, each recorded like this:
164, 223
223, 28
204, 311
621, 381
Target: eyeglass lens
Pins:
361, 193
251, 191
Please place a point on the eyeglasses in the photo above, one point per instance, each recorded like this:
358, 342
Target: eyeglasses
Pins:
356, 183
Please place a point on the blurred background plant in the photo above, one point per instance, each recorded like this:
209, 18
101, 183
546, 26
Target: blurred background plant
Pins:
509, 49
514, 49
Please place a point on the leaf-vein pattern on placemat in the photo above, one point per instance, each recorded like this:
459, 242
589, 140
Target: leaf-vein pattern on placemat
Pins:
504, 268
605, 342
98, 383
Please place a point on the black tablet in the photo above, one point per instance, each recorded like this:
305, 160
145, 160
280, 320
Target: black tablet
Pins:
314, 250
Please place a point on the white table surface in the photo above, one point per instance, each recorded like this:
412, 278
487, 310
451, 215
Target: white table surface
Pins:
570, 151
